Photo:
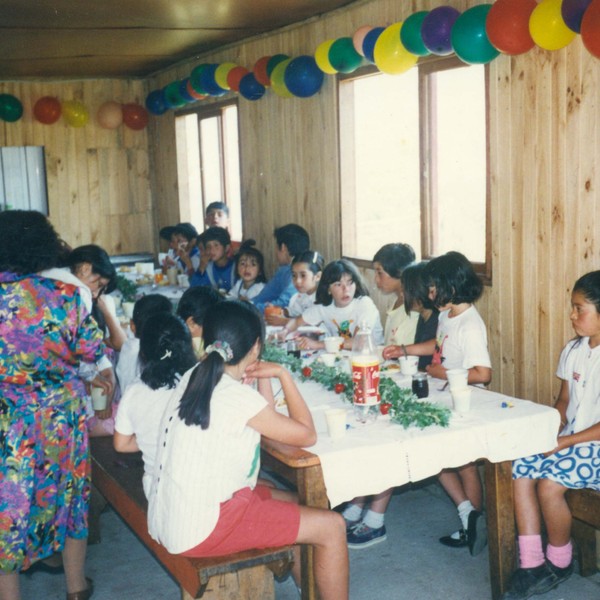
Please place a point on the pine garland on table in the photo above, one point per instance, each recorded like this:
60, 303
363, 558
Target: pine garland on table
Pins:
404, 407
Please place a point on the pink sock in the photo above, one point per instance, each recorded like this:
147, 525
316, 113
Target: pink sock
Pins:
560, 556
531, 553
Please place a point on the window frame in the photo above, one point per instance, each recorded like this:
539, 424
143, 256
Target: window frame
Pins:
428, 201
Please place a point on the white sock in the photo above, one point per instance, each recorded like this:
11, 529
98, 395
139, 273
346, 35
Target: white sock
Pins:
464, 510
374, 520
352, 512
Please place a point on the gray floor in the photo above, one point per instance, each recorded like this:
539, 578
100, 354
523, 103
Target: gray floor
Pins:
411, 564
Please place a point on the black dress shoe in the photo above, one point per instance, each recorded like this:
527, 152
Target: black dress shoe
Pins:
41, 566
455, 542
476, 532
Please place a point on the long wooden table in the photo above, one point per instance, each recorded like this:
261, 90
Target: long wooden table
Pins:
304, 469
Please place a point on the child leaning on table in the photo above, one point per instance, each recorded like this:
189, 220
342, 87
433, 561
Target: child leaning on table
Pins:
460, 343
219, 273
213, 415
165, 354
541, 481
342, 305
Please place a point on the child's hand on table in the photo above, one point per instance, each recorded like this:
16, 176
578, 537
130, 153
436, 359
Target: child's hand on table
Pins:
390, 352
306, 343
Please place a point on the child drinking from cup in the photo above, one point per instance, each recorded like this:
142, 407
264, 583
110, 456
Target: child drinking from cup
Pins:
212, 414
541, 481
250, 269
307, 268
460, 343
342, 303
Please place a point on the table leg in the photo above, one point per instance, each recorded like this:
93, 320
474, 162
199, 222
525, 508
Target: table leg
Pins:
501, 524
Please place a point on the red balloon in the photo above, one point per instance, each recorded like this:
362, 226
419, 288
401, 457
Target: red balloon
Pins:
590, 29
260, 71
193, 93
235, 76
135, 116
47, 110
507, 26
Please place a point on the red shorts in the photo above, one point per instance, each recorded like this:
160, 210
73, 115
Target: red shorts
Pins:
251, 519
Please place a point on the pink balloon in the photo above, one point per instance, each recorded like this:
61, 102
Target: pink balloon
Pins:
359, 37
110, 115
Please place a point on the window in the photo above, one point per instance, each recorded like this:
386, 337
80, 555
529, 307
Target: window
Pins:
23, 179
208, 163
413, 151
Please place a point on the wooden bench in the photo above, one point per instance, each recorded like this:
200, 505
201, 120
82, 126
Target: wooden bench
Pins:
249, 574
585, 508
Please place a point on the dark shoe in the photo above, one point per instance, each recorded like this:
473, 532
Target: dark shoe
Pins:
476, 532
561, 574
454, 540
84, 594
41, 566
350, 525
529, 582
363, 536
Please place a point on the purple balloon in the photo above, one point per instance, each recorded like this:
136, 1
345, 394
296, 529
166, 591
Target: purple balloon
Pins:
572, 13
436, 29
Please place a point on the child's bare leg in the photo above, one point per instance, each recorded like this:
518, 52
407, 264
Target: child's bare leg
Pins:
555, 511
527, 508
471, 484
453, 486
9, 586
326, 531
379, 502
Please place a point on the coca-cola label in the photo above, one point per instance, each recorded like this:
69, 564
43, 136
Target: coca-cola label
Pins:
365, 380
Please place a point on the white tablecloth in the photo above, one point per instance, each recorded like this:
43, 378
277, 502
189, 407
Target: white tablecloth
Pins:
374, 457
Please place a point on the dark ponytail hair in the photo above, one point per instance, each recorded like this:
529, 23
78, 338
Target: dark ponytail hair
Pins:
311, 258
236, 324
415, 288
454, 279
166, 350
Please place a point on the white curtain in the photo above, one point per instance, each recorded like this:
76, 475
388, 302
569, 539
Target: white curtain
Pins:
23, 179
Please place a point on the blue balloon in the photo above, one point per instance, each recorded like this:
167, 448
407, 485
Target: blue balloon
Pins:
155, 102
303, 77
437, 29
208, 83
369, 43
183, 91
250, 88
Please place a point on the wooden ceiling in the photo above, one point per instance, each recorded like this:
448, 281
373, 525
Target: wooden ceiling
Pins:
131, 38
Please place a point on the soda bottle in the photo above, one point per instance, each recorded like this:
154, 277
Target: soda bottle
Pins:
365, 375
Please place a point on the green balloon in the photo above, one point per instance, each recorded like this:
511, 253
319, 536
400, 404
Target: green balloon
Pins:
469, 38
410, 34
195, 81
274, 61
343, 56
11, 109
173, 96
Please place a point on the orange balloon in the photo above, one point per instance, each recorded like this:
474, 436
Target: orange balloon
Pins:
260, 71
235, 76
47, 110
590, 28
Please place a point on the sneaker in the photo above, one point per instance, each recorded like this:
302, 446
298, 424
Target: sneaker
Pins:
363, 536
528, 582
561, 574
456, 540
476, 532
350, 525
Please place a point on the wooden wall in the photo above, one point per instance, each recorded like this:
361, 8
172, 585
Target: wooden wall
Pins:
98, 179
545, 143
545, 201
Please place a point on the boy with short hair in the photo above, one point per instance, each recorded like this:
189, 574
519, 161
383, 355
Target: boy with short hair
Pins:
219, 273
291, 240
217, 215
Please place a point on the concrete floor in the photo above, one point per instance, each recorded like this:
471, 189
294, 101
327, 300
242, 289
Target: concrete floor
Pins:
410, 565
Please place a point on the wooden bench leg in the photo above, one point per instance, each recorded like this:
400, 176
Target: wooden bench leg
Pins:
255, 582
585, 547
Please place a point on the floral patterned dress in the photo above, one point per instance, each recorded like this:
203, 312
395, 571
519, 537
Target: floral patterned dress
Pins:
45, 331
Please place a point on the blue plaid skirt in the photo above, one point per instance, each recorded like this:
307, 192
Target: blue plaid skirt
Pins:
574, 467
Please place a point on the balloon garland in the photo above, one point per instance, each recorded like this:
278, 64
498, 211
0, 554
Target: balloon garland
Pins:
476, 36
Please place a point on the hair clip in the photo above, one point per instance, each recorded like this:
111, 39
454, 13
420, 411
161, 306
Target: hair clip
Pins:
167, 354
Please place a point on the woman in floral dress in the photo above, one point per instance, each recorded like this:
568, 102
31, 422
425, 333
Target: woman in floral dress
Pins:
45, 331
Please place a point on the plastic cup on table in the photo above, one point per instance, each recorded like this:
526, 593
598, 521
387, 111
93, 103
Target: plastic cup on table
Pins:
408, 364
172, 275
336, 422
328, 359
462, 399
333, 344
128, 309
457, 378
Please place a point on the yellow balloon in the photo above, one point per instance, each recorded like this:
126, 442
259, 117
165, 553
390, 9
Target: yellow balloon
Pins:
322, 57
390, 54
277, 81
221, 73
547, 27
75, 113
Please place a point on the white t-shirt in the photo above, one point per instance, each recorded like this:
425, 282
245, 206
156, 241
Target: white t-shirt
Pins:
237, 290
140, 411
300, 302
344, 321
196, 469
128, 367
579, 366
400, 328
461, 341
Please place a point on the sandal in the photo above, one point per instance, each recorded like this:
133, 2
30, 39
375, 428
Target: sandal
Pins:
84, 594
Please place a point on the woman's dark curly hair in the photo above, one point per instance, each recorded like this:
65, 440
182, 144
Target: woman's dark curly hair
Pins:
100, 261
28, 242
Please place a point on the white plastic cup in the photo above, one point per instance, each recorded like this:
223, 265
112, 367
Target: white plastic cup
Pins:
328, 359
99, 399
408, 364
333, 344
172, 275
128, 309
336, 422
462, 399
457, 379
183, 280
